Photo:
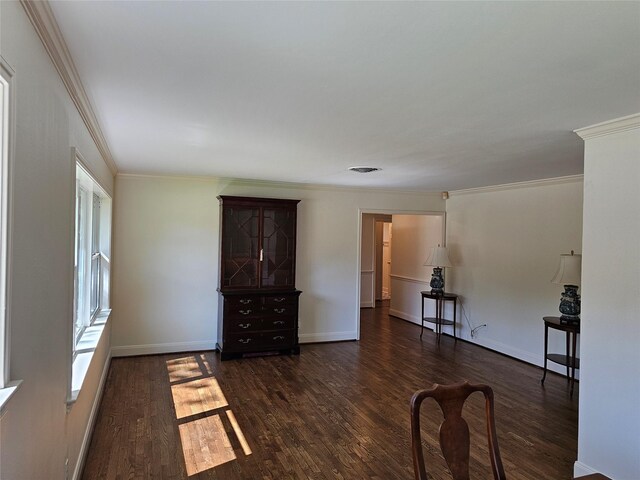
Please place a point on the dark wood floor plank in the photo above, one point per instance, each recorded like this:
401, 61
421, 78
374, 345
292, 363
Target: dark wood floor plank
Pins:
337, 411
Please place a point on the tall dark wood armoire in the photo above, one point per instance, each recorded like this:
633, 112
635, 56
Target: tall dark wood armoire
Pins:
258, 300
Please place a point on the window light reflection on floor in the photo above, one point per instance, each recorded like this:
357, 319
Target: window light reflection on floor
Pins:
205, 444
238, 432
197, 396
201, 410
188, 367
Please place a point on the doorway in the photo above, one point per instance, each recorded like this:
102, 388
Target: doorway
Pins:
393, 249
373, 265
384, 234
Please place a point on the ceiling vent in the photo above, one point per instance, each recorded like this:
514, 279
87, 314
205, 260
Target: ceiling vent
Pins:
364, 169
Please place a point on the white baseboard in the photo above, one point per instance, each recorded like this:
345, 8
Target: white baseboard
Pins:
156, 348
86, 440
367, 304
327, 337
490, 344
523, 355
410, 318
405, 316
508, 350
580, 469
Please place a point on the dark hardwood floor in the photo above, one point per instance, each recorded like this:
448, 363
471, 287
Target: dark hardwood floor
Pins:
338, 411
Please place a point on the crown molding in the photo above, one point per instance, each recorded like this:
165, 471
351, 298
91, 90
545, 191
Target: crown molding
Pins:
242, 182
513, 186
44, 22
609, 127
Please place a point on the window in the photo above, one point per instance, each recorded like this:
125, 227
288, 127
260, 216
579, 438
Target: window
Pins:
91, 259
92, 250
5, 117
7, 122
96, 257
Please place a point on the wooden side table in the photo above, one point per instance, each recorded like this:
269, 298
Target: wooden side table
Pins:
569, 360
439, 319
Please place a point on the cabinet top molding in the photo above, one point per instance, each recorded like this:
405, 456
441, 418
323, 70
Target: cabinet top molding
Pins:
229, 199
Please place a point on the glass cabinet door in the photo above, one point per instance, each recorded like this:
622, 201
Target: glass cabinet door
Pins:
240, 247
278, 244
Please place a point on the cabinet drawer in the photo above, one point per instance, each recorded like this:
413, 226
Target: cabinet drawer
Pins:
280, 310
256, 341
278, 339
279, 323
243, 301
241, 311
240, 325
274, 301
243, 341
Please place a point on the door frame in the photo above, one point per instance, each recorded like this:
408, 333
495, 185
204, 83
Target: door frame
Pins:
382, 211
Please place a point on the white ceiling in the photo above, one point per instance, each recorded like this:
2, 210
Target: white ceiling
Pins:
441, 96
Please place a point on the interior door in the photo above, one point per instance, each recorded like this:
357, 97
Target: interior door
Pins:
386, 261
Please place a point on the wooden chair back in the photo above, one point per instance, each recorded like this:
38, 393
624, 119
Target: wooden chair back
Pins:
454, 431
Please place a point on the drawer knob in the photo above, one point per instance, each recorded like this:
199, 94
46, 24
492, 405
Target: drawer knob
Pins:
278, 337
279, 322
244, 325
245, 301
245, 340
279, 299
279, 310
245, 312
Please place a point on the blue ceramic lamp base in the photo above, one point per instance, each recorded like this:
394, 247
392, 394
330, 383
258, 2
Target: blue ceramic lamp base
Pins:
570, 305
437, 282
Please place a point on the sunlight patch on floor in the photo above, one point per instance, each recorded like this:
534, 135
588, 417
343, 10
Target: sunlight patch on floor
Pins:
188, 367
238, 432
202, 411
205, 444
197, 396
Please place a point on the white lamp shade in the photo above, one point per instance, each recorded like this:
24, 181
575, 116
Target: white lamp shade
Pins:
569, 270
438, 258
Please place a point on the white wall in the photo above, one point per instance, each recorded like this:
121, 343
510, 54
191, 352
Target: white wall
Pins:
165, 267
166, 258
36, 433
413, 238
505, 244
609, 417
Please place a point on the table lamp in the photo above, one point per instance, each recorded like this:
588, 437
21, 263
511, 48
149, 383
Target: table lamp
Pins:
438, 259
568, 274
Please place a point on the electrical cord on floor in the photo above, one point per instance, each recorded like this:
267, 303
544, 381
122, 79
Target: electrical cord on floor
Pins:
472, 329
